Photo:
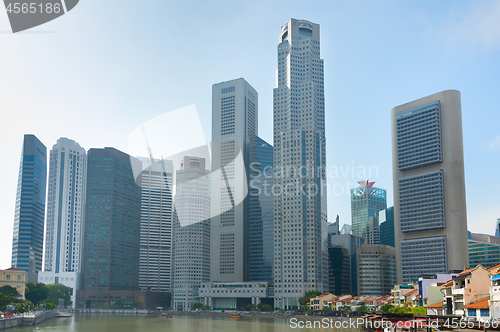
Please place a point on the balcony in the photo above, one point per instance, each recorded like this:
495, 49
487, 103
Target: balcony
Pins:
459, 291
495, 293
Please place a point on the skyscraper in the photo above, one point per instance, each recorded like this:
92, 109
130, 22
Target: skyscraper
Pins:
234, 122
300, 217
376, 269
366, 202
261, 211
430, 223
191, 232
27, 243
64, 227
155, 262
112, 225
386, 226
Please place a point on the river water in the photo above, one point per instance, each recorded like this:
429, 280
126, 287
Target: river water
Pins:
153, 323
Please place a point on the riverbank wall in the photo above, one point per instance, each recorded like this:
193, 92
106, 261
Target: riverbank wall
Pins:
27, 319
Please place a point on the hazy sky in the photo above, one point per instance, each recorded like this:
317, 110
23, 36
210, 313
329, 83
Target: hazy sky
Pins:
100, 71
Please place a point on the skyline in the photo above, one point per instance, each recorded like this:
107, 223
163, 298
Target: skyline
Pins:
377, 56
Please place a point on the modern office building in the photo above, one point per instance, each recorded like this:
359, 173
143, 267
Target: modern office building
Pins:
376, 269
300, 211
27, 243
234, 122
112, 226
371, 232
366, 202
261, 211
339, 270
64, 225
155, 258
497, 229
483, 249
350, 242
386, 226
191, 233
430, 219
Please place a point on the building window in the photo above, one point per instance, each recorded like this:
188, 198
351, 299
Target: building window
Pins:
7, 277
485, 312
472, 312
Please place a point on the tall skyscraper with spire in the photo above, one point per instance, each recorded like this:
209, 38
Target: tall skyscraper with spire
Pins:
65, 204
27, 243
300, 215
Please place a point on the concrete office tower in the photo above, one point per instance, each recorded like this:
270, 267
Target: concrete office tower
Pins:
191, 233
261, 211
155, 259
234, 122
366, 202
112, 226
65, 204
376, 269
430, 220
27, 243
386, 226
483, 249
300, 214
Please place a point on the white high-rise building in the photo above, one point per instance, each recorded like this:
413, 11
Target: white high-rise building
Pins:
64, 223
191, 232
234, 122
300, 215
155, 258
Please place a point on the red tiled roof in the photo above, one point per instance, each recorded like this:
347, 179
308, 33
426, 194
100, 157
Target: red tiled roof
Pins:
435, 305
480, 304
466, 271
493, 267
13, 269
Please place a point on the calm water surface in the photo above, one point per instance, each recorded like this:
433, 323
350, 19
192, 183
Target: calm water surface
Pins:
152, 323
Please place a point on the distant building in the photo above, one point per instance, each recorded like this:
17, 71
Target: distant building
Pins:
15, 278
376, 269
430, 217
65, 209
112, 227
483, 249
371, 232
366, 202
386, 226
155, 258
27, 243
191, 233
351, 243
339, 270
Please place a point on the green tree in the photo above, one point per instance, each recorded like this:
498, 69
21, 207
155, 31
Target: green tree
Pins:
49, 306
303, 300
36, 292
206, 307
267, 307
250, 307
327, 308
419, 311
5, 300
362, 308
385, 307
197, 306
305, 308
23, 306
10, 291
59, 291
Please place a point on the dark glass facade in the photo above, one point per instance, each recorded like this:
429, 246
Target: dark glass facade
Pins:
261, 211
112, 223
339, 270
386, 219
27, 244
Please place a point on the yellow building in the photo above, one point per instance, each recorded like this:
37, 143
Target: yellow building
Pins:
15, 278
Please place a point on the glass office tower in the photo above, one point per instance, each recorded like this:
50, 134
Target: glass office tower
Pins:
27, 244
